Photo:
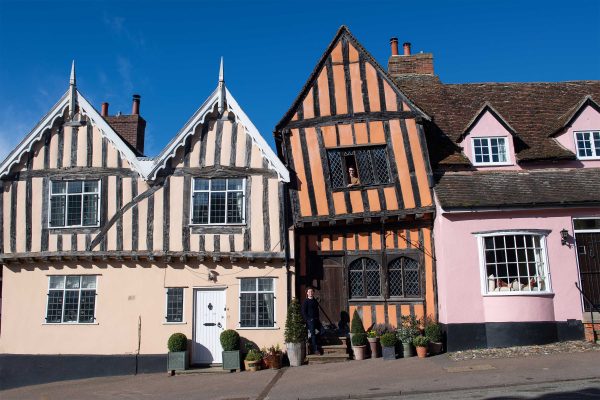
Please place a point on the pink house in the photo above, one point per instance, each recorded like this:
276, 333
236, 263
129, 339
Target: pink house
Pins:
517, 188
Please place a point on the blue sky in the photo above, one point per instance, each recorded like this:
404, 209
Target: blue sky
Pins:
168, 52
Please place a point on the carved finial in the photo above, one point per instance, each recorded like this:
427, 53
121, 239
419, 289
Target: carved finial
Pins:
73, 81
221, 88
221, 72
72, 93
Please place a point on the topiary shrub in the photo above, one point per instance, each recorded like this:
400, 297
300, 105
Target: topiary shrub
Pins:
359, 339
388, 339
230, 340
177, 342
433, 331
357, 325
295, 327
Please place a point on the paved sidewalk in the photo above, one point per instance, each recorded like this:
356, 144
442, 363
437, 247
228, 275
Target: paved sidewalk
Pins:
354, 379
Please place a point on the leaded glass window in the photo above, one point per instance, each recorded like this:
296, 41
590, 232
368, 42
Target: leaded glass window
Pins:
257, 302
370, 166
74, 204
174, 305
218, 201
71, 299
404, 277
364, 278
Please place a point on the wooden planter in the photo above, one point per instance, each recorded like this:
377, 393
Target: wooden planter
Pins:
252, 366
422, 352
177, 361
232, 360
360, 352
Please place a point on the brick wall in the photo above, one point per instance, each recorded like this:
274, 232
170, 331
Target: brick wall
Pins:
131, 128
421, 63
589, 332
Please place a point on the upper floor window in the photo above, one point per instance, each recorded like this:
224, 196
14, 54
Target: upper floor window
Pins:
359, 166
71, 299
490, 150
74, 203
218, 201
514, 263
588, 144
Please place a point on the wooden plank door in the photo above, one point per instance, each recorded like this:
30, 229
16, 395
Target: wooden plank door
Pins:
332, 291
588, 252
208, 325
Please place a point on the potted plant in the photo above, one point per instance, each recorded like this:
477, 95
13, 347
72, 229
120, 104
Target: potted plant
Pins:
272, 357
408, 330
388, 345
178, 356
253, 360
373, 343
433, 331
359, 337
295, 334
230, 342
421, 343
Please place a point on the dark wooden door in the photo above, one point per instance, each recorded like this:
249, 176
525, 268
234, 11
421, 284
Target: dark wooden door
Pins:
332, 291
588, 251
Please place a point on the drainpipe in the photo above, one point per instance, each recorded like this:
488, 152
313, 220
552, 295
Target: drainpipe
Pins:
286, 241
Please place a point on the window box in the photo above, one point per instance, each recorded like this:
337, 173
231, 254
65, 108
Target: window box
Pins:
588, 145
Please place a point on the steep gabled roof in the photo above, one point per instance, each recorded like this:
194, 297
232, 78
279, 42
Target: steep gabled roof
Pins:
71, 100
533, 110
343, 31
487, 107
568, 117
220, 101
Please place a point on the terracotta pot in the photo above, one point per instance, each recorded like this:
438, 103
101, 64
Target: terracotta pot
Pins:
422, 352
360, 352
374, 345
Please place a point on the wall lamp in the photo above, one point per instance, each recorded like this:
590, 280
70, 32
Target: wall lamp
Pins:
564, 236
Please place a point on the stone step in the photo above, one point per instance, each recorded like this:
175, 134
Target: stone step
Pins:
335, 349
326, 358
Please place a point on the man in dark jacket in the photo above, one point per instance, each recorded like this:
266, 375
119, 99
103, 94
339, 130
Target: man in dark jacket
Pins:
310, 312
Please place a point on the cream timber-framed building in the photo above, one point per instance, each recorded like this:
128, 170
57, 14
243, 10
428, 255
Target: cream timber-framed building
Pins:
106, 252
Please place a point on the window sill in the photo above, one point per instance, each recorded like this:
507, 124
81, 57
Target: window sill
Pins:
175, 323
494, 165
267, 328
362, 187
218, 229
588, 158
73, 229
70, 323
516, 293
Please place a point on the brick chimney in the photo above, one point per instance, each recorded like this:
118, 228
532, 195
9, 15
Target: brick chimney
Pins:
130, 127
407, 63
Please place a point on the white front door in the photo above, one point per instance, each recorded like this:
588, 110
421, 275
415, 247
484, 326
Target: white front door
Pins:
208, 325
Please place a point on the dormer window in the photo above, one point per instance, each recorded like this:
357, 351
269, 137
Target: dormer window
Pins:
490, 150
588, 144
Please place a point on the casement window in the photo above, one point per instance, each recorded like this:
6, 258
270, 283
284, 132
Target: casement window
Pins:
218, 201
174, 305
257, 302
490, 150
71, 299
403, 278
514, 262
74, 204
588, 144
358, 166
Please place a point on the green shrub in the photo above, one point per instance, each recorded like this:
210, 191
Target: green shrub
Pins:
421, 341
295, 327
177, 342
433, 331
409, 329
230, 340
357, 324
359, 339
388, 339
254, 355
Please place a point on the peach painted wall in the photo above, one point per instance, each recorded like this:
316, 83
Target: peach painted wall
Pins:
589, 119
489, 126
125, 292
458, 269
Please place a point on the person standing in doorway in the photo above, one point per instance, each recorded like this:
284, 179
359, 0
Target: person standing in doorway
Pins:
310, 312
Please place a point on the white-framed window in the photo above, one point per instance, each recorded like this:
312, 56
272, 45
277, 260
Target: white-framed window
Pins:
257, 302
71, 299
174, 304
588, 144
490, 150
514, 262
74, 204
218, 201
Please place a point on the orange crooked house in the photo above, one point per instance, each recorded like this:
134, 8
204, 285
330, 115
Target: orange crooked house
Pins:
360, 191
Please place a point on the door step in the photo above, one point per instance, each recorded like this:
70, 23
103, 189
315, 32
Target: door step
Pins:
326, 358
338, 349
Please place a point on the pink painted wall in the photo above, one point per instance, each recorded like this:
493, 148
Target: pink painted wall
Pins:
489, 126
459, 277
589, 119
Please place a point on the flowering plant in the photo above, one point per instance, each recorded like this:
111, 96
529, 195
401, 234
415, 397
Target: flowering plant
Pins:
371, 334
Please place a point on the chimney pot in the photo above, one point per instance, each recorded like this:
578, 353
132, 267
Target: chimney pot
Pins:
406, 47
394, 45
135, 108
105, 109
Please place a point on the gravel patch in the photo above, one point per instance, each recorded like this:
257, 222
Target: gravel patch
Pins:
576, 346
